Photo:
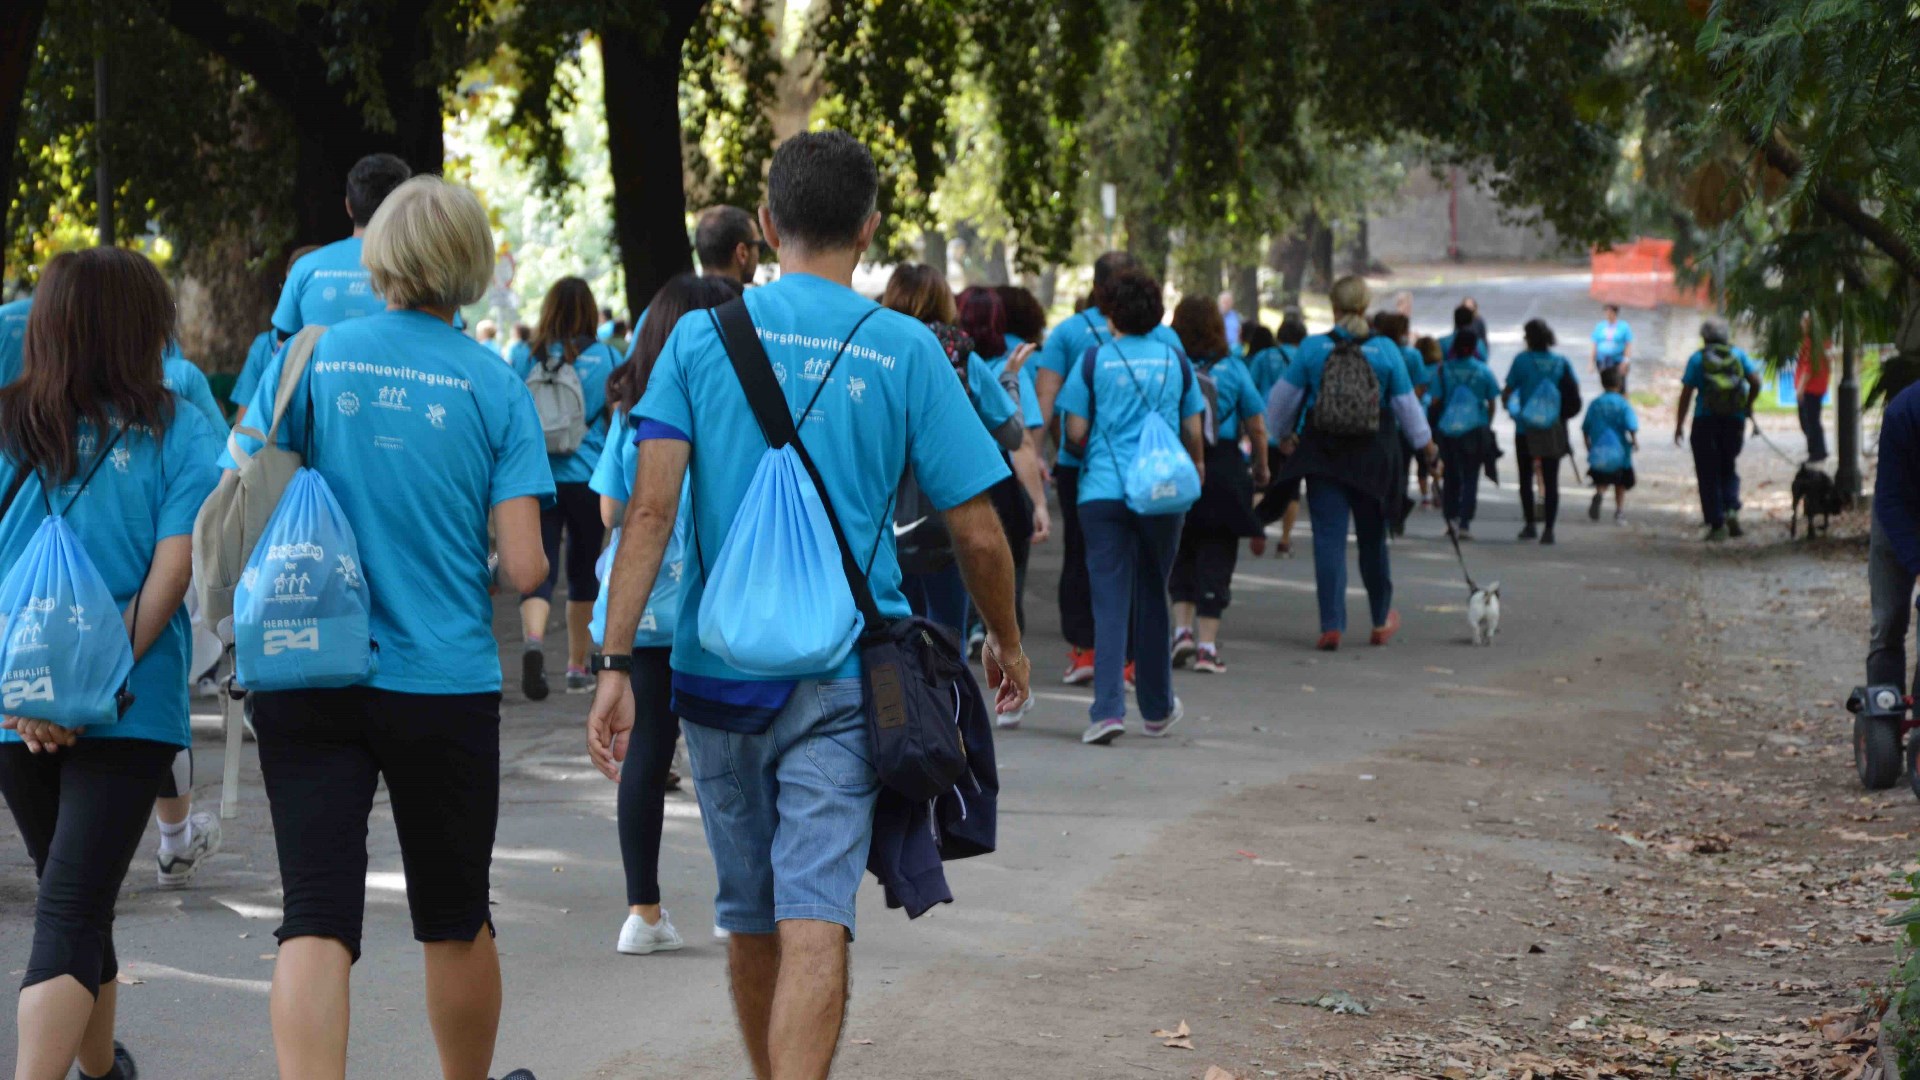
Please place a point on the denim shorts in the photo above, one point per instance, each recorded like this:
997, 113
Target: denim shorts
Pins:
788, 812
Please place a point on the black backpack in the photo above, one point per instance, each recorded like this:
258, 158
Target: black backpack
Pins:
1723, 381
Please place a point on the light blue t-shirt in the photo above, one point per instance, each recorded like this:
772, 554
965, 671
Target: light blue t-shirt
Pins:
990, 400
1696, 377
1383, 355
605, 331
1267, 365
613, 477
13, 335
1473, 377
147, 490
1479, 347
1611, 412
593, 365
1416, 367
326, 287
891, 402
1132, 377
420, 431
633, 339
1067, 346
258, 354
1029, 397
1610, 341
1235, 398
1527, 371
185, 379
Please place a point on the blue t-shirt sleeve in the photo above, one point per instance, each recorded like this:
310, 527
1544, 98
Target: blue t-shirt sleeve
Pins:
1074, 397
1192, 401
1631, 418
667, 399
286, 314
609, 473
1753, 366
1626, 334
1398, 383
1694, 375
993, 404
953, 457
189, 471
520, 358
520, 465
1029, 397
199, 394
1251, 404
260, 410
249, 379
1055, 355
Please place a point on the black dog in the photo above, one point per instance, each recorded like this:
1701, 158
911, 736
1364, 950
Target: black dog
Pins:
1813, 493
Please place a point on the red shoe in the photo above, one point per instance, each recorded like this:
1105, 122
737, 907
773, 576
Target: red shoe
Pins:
1329, 641
1128, 674
1079, 667
1384, 634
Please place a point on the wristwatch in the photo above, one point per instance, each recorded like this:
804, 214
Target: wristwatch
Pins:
600, 662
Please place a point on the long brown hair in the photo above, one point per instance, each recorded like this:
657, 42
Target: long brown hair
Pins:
568, 319
681, 294
919, 290
100, 321
1203, 333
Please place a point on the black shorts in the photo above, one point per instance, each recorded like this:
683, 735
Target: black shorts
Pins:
1622, 478
323, 753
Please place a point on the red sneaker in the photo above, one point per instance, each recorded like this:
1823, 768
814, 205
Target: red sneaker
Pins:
1079, 667
1128, 675
1329, 641
1384, 634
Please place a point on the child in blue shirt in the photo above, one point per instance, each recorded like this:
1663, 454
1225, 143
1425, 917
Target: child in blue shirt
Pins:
1611, 428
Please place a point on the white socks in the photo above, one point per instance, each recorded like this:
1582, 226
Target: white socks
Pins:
175, 838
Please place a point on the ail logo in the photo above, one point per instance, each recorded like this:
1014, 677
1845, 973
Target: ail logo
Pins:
275, 642
17, 692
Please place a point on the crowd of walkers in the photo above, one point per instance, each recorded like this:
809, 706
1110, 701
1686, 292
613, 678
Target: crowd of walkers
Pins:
925, 431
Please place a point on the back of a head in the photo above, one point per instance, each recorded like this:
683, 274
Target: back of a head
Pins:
1463, 317
370, 181
1025, 317
100, 322
1202, 332
1391, 325
718, 233
1429, 350
1133, 303
821, 189
983, 317
429, 245
920, 291
1257, 338
1610, 378
1539, 335
1105, 269
567, 316
1351, 296
1716, 332
1293, 327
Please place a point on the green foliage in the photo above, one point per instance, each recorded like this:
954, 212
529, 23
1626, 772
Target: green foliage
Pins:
732, 70
1903, 1011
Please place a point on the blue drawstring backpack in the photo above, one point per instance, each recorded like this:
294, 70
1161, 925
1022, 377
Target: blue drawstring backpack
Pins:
603, 566
1161, 478
301, 613
1541, 409
65, 656
664, 601
776, 604
1463, 412
1607, 455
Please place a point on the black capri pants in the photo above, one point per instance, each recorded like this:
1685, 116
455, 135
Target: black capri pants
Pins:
576, 512
81, 811
323, 752
1203, 571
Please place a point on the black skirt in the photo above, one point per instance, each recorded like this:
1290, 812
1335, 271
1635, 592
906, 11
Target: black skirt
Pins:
1549, 443
1622, 478
1369, 463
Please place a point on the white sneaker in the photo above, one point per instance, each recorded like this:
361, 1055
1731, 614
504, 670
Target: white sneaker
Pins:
639, 939
1009, 721
178, 868
1157, 729
720, 933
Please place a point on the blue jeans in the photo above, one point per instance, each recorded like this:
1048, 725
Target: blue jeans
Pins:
1128, 559
939, 597
1460, 484
788, 812
1330, 504
1716, 442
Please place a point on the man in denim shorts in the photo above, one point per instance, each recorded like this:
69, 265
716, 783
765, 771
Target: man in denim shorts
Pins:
783, 768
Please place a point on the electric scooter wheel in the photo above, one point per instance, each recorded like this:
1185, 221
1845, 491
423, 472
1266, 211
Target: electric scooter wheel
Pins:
1876, 752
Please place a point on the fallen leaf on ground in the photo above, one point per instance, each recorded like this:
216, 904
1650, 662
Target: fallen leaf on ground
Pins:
128, 980
1215, 1072
1667, 980
1179, 1038
1337, 1002
863, 1042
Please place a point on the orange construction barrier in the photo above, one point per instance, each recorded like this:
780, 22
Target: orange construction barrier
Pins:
1641, 275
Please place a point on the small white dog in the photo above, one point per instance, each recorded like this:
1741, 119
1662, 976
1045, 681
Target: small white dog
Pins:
1483, 613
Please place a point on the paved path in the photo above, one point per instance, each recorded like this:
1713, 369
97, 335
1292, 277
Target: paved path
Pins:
1069, 817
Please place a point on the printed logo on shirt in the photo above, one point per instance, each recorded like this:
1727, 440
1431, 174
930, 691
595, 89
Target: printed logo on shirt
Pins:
388, 442
393, 397
816, 369
856, 386
437, 415
122, 458
780, 373
329, 293
349, 571
348, 403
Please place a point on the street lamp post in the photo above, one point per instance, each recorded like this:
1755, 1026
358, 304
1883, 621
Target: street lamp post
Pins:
1846, 473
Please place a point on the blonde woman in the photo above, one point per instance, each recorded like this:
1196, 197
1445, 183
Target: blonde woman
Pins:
422, 435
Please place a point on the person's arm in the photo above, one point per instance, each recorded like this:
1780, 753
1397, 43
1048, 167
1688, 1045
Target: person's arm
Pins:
1283, 405
1256, 431
1032, 476
1010, 435
1077, 429
161, 596
1193, 435
1753, 395
516, 530
986, 565
1046, 387
611, 511
1684, 410
644, 535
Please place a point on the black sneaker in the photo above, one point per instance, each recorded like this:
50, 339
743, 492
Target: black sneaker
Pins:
123, 1066
519, 1074
1733, 525
1593, 508
1529, 533
1547, 537
533, 675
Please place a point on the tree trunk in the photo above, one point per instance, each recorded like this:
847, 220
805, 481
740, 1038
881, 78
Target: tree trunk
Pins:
997, 263
1292, 256
643, 147
1322, 259
333, 135
222, 302
933, 249
19, 33
1359, 256
1049, 284
1199, 276
1244, 280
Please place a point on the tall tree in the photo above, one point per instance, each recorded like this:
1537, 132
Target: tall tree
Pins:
19, 31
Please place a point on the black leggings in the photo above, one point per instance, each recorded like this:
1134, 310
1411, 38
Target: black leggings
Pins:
576, 509
1550, 482
643, 777
81, 812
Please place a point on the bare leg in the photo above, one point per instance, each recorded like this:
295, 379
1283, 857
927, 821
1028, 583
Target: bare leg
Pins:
53, 1017
533, 618
173, 811
1619, 498
579, 634
1183, 616
1209, 630
96, 1046
463, 1004
648, 912
753, 965
1286, 523
310, 1008
810, 1002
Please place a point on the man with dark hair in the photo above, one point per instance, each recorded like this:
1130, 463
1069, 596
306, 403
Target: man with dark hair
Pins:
328, 285
1065, 351
791, 816
727, 243
1720, 384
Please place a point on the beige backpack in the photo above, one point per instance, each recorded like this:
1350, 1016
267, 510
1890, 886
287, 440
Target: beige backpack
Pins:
233, 517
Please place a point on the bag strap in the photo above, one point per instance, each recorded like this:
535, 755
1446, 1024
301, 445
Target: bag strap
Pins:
293, 369
769, 404
98, 460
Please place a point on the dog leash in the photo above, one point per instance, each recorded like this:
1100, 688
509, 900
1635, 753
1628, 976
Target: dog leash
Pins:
1453, 534
1771, 445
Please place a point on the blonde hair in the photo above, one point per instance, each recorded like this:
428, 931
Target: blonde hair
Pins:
429, 245
1351, 296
